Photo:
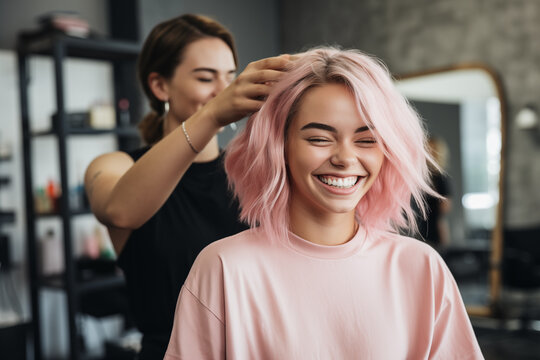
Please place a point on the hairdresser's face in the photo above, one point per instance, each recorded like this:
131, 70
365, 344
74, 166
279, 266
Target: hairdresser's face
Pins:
332, 157
207, 68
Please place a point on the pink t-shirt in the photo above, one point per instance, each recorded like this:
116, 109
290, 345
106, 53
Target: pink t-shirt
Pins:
250, 297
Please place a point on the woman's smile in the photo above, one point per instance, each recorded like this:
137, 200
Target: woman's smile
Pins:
339, 185
339, 182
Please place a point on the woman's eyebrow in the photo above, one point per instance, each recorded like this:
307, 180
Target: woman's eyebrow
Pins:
362, 129
314, 125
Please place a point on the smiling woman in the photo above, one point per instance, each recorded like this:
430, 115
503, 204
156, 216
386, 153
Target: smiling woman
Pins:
325, 172
333, 159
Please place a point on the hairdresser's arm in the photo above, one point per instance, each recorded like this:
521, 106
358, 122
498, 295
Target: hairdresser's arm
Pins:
125, 194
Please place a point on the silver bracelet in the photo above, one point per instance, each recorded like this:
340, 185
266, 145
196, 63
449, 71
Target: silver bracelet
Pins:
188, 139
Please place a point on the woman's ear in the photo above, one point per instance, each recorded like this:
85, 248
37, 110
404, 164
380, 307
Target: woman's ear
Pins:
158, 85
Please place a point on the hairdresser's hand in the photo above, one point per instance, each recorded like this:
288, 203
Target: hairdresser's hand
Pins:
247, 93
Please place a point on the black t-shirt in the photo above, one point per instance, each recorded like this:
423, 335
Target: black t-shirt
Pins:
158, 256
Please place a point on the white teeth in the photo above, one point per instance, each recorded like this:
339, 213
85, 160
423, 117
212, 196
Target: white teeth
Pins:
342, 183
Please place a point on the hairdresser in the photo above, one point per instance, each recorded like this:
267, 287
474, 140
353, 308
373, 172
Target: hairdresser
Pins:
163, 203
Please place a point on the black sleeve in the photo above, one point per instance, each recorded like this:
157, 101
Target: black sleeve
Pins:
442, 185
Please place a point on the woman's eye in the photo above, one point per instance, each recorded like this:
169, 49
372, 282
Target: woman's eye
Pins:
318, 140
206, 80
369, 141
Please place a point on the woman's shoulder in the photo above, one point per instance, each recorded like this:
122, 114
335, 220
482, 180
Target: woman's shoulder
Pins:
406, 250
109, 162
233, 250
233, 246
116, 160
412, 259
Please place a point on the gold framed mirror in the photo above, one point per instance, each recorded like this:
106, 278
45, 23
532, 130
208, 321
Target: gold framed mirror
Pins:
464, 105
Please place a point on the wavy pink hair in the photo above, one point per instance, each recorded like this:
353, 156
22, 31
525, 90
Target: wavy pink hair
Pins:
255, 159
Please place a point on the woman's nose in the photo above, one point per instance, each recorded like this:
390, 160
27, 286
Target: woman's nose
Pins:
344, 156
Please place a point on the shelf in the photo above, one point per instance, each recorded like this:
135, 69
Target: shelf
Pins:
7, 217
42, 43
101, 282
4, 180
20, 325
77, 212
83, 280
5, 158
121, 132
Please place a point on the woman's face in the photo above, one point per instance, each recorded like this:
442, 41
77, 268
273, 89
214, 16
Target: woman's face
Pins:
332, 157
206, 69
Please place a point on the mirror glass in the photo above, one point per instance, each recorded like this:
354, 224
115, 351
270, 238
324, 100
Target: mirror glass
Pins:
461, 107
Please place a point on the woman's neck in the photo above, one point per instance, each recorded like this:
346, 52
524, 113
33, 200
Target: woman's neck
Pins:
322, 229
208, 153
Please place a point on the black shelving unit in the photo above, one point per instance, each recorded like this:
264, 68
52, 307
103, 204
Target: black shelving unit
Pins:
7, 216
13, 337
122, 55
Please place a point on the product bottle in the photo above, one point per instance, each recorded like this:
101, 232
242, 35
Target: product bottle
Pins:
53, 193
52, 253
123, 116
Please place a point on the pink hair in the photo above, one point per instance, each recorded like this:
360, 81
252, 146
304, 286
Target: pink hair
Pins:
255, 159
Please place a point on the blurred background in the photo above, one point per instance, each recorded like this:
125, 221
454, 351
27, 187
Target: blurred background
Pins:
471, 68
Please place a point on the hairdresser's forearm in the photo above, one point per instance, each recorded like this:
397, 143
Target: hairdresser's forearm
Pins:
145, 187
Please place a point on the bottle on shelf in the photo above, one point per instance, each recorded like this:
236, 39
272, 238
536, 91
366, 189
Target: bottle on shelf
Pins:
51, 253
123, 112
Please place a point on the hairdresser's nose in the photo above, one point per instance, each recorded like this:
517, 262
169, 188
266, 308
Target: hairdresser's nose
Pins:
345, 155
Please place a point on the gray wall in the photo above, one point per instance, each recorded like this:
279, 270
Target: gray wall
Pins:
254, 23
415, 35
